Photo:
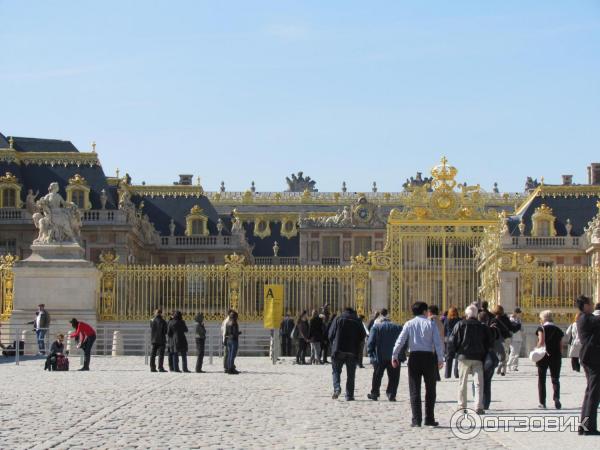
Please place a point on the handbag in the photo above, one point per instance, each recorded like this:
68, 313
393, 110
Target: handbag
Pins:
538, 353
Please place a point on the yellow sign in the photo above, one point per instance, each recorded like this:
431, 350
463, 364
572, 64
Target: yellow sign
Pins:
273, 305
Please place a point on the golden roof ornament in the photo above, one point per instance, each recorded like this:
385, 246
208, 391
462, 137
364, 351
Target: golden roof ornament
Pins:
77, 180
11, 142
93, 146
8, 178
444, 175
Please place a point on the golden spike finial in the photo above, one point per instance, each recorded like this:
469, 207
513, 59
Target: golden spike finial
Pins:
11, 142
93, 146
198, 180
444, 160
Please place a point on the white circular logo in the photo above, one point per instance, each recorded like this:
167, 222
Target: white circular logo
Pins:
465, 424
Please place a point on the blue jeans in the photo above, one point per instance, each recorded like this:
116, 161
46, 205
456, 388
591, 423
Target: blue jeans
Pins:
41, 339
337, 363
232, 349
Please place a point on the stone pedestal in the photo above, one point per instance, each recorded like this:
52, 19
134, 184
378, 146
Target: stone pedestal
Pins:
380, 290
59, 277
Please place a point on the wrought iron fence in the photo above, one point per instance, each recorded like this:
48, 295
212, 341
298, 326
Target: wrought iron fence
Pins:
554, 288
132, 292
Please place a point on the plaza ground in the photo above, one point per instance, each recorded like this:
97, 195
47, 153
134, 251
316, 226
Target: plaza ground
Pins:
120, 404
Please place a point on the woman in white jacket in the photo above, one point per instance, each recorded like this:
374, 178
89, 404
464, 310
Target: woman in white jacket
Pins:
574, 344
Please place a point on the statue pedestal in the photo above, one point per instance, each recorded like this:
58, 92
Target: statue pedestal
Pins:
58, 276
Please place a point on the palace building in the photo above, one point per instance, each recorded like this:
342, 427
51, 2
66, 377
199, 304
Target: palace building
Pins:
437, 239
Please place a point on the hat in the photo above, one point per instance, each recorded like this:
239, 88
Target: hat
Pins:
517, 310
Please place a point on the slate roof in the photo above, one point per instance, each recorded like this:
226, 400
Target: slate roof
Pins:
264, 246
25, 144
580, 210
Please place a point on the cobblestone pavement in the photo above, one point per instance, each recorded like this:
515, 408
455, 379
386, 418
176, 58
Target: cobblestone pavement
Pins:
120, 404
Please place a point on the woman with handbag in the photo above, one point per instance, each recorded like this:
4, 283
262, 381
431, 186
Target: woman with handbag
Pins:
549, 342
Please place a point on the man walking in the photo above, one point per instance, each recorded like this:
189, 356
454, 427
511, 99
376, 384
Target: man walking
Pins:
588, 328
345, 335
424, 344
41, 325
86, 336
158, 339
382, 337
285, 334
469, 343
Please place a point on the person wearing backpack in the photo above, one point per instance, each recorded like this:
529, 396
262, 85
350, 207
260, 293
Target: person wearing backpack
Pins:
469, 343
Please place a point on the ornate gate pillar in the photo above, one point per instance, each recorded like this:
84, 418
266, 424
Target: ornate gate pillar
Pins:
507, 290
233, 265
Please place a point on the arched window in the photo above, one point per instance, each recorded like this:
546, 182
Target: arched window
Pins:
196, 222
78, 192
543, 222
10, 191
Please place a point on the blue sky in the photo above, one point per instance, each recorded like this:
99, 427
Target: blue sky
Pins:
343, 90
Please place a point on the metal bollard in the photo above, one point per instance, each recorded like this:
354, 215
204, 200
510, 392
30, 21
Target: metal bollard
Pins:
17, 347
146, 356
117, 345
210, 349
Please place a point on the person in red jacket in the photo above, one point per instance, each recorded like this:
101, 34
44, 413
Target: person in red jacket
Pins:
86, 336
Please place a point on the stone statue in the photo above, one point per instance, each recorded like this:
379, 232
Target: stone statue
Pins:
300, 183
530, 183
103, 199
57, 220
172, 228
417, 181
30, 201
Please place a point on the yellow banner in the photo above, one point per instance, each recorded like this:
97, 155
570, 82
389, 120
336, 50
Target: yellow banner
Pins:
273, 313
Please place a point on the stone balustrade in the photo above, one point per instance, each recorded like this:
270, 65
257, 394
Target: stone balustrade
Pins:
549, 242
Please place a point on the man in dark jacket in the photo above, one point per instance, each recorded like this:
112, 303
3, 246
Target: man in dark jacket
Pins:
588, 328
382, 337
200, 340
285, 334
41, 325
345, 335
469, 343
176, 329
158, 339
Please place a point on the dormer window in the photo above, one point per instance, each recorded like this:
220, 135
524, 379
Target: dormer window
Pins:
10, 191
543, 222
196, 222
78, 192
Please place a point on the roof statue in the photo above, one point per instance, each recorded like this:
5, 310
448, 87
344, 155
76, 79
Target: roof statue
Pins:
300, 183
531, 184
417, 181
57, 220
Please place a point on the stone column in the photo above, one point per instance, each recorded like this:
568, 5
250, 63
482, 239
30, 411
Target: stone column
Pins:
507, 290
380, 289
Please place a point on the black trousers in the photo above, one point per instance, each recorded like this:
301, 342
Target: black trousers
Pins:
286, 345
488, 374
393, 378
301, 355
200, 352
160, 350
575, 365
591, 399
324, 351
87, 350
554, 365
421, 365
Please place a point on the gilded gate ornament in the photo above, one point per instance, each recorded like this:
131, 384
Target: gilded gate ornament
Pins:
107, 266
7, 278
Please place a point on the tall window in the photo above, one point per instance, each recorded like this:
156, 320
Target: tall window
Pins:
362, 245
331, 247
197, 226
9, 198
78, 197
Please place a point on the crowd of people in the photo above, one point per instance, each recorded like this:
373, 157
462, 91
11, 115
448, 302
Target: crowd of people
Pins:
479, 343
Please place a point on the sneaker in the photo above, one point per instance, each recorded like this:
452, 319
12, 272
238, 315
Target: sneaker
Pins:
372, 397
335, 395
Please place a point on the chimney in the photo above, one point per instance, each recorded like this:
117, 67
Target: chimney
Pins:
594, 173
567, 180
184, 180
